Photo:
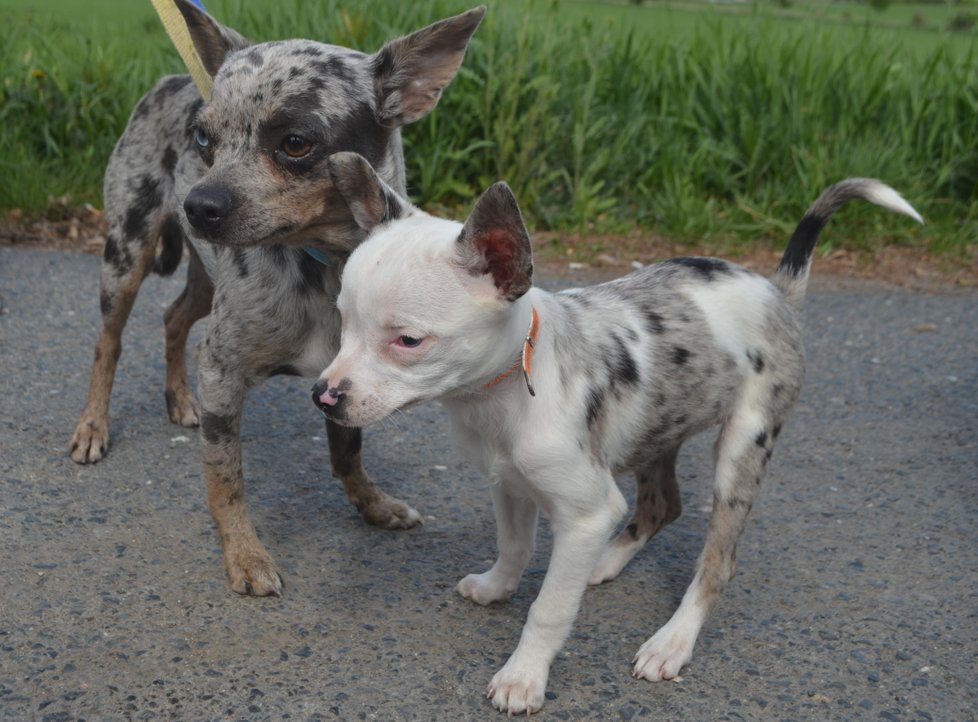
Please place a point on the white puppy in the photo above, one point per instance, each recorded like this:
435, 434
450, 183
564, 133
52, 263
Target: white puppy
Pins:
551, 394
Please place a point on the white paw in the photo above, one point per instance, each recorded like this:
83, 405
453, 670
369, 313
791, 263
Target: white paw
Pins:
612, 561
486, 588
518, 688
663, 655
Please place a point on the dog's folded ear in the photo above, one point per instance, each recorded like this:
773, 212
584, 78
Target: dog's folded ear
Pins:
212, 40
494, 241
370, 200
410, 72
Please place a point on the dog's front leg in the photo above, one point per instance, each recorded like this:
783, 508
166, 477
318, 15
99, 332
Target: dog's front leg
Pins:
516, 528
374, 505
580, 533
221, 392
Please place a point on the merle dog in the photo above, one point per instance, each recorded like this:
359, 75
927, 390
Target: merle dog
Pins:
243, 177
551, 394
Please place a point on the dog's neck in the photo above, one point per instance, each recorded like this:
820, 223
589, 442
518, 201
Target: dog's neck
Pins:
525, 361
506, 367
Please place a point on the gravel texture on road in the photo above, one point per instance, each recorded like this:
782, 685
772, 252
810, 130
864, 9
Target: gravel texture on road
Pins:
856, 595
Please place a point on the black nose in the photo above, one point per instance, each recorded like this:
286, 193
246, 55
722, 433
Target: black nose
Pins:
207, 207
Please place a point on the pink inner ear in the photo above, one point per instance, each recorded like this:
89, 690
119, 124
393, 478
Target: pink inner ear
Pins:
497, 248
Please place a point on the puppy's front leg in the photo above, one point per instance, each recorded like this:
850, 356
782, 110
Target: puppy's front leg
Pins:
221, 389
516, 529
580, 533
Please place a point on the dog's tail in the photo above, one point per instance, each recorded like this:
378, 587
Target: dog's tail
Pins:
792, 274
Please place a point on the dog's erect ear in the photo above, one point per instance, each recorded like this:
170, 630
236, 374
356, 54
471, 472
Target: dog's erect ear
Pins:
494, 241
371, 201
212, 40
410, 72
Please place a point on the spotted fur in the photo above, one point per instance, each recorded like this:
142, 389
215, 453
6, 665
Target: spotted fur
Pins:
243, 180
624, 372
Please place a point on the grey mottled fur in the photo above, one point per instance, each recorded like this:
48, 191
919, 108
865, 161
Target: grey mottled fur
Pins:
222, 176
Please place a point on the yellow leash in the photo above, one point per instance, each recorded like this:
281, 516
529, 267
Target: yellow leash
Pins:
176, 28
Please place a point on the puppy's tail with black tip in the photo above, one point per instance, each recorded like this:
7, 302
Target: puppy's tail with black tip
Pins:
792, 274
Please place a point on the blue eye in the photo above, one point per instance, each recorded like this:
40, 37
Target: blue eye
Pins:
200, 138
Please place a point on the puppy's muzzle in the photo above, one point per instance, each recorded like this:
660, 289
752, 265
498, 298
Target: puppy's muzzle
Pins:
207, 207
328, 399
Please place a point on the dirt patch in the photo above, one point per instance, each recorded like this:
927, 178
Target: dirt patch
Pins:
83, 228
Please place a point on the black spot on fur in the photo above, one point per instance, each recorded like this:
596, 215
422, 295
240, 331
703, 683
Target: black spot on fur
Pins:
361, 133
169, 160
777, 430
706, 268
116, 255
105, 302
738, 503
680, 355
632, 530
216, 427
146, 198
240, 257
761, 439
757, 360
655, 322
621, 365
172, 86
171, 247
335, 68
255, 57
595, 402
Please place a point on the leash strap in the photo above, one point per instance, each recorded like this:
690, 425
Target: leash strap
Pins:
176, 28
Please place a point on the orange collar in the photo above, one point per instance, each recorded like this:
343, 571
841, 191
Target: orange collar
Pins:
526, 355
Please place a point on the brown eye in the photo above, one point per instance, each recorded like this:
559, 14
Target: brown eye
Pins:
295, 146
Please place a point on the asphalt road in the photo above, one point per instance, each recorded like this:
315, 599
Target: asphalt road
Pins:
856, 595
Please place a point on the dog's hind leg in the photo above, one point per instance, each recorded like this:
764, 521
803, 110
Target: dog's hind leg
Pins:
374, 505
124, 266
657, 503
192, 305
742, 451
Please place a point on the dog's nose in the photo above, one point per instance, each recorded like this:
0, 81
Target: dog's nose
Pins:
324, 395
207, 207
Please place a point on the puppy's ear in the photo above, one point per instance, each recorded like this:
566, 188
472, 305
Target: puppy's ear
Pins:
371, 201
494, 241
212, 40
410, 72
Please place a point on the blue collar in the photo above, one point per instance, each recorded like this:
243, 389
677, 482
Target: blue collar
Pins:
320, 256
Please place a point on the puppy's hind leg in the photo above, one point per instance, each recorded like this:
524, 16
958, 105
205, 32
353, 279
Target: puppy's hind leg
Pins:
192, 305
374, 505
125, 263
657, 503
743, 448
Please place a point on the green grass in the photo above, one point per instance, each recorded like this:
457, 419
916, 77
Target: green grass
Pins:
711, 123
